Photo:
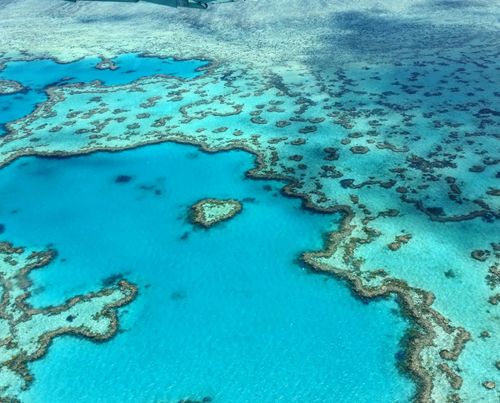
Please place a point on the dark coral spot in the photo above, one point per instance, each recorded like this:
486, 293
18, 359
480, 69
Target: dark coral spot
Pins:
449, 274
123, 179
435, 211
110, 280
177, 295
400, 355
346, 183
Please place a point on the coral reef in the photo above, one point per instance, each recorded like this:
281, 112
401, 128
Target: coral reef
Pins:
26, 332
411, 195
208, 212
400, 139
8, 87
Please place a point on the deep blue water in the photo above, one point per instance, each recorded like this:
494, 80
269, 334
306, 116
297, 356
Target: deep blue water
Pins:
37, 75
225, 313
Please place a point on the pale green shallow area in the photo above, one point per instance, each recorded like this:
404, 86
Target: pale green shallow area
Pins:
333, 100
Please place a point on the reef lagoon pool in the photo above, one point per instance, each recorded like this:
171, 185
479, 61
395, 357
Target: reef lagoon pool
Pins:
224, 313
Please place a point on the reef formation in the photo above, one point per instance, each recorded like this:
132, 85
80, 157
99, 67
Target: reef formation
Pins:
9, 87
26, 332
404, 144
208, 212
405, 189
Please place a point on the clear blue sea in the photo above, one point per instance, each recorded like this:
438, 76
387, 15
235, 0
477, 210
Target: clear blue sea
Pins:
225, 313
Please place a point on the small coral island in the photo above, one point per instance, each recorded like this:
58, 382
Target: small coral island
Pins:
208, 212
8, 87
26, 332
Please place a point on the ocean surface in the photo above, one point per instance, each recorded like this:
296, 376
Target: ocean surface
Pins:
225, 313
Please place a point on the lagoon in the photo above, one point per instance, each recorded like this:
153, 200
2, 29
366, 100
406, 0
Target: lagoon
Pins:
224, 313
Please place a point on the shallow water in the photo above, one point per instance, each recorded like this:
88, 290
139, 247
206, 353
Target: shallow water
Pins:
37, 75
224, 313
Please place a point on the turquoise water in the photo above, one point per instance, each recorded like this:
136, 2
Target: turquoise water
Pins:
37, 75
225, 313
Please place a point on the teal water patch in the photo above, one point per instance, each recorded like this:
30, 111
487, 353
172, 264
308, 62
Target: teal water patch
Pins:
37, 75
224, 313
